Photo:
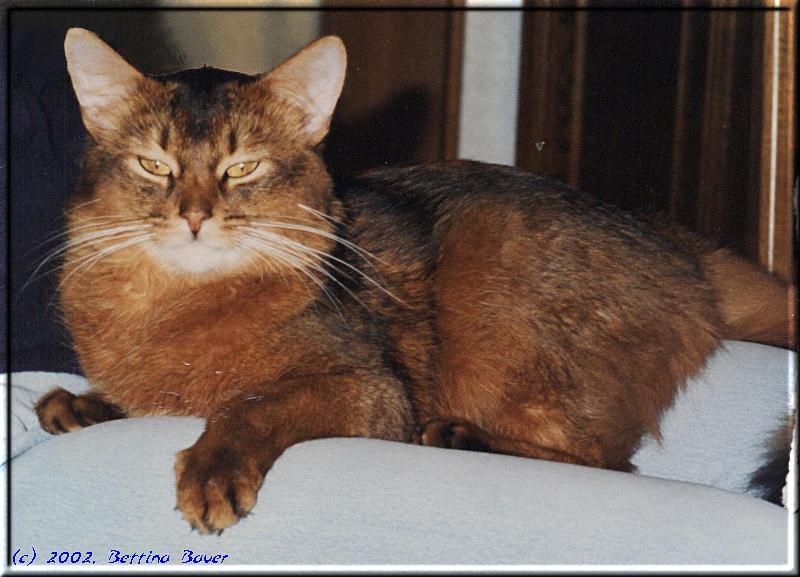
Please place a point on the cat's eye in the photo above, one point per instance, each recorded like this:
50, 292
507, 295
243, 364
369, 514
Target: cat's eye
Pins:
155, 167
241, 169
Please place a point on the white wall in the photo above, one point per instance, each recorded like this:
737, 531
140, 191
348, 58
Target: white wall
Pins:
245, 41
490, 81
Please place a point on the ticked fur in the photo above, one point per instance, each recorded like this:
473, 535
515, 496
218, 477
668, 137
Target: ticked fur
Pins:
458, 304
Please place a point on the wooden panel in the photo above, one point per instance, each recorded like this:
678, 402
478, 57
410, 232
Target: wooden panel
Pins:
400, 100
685, 141
628, 107
666, 111
722, 138
720, 180
776, 170
551, 92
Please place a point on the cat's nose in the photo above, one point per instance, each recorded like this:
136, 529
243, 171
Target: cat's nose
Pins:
195, 218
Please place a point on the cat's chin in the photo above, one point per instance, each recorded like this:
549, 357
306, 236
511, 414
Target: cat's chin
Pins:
210, 254
197, 257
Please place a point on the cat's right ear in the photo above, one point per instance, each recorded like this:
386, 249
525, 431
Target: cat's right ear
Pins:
313, 78
103, 81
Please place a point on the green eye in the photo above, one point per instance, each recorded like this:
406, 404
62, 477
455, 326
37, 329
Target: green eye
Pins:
241, 169
155, 167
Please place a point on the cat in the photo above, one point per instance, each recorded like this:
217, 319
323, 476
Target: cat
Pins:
213, 269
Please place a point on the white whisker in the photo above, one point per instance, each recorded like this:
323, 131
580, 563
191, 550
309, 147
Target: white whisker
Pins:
86, 263
322, 215
83, 241
299, 263
326, 257
73, 229
303, 228
74, 208
271, 266
306, 260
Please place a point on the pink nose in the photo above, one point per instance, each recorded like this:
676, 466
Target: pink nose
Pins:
195, 218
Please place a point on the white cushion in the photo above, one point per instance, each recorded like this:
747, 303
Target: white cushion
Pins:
359, 501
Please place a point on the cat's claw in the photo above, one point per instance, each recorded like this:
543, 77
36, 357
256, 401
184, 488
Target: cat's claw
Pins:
215, 488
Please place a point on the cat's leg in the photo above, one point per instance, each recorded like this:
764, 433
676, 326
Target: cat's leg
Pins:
218, 478
461, 434
529, 353
60, 411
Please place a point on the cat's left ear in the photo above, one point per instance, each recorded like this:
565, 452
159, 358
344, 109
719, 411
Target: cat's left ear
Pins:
103, 81
313, 78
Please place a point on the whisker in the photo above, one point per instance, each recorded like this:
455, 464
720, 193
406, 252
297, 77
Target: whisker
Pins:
90, 260
73, 229
322, 215
297, 245
74, 208
297, 269
302, 228
300, 263
309, 263
82, 241
325, 258
271, 265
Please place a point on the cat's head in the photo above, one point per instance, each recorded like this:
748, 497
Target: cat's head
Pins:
205, 171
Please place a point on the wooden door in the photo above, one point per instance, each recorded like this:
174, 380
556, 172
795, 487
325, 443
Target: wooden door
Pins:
400, 100
686, 112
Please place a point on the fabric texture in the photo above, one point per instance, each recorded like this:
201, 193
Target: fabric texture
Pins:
361, 501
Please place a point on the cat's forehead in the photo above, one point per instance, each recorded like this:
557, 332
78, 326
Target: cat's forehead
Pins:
199, 96
205, 80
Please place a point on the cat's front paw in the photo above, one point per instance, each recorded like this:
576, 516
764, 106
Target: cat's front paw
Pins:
452, 434
215, 487
60, 411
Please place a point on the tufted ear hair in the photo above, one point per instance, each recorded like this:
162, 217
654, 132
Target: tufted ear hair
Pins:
103, 81
313, 78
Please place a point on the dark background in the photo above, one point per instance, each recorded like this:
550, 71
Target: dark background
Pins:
46, 139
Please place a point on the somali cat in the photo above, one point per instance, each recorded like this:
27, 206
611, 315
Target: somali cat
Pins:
213, 270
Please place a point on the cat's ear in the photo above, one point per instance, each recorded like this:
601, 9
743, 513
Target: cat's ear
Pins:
103, 81
313, 78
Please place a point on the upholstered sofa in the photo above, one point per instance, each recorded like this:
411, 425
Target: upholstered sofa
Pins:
108, 490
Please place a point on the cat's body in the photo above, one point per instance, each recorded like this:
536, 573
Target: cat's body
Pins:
526, 287
458, 304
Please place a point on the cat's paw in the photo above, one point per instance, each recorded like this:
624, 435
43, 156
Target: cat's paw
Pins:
215, 488
60, 411
452, 434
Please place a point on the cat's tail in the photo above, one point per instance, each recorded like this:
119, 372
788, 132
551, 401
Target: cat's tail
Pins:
770, 480
755, 305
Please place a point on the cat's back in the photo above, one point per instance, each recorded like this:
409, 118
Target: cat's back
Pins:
546, 292
492, 233
427, 203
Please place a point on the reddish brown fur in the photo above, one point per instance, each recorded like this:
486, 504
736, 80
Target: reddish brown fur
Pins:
522, 317
755, 306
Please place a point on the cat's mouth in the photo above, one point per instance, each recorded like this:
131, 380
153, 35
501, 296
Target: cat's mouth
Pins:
209, 250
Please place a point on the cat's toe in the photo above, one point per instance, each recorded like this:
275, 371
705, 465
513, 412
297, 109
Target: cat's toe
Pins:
60, 411
91, 410
215, 490
56, 414
451, 434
